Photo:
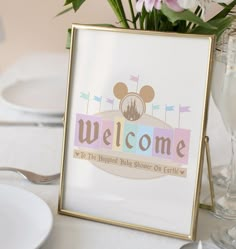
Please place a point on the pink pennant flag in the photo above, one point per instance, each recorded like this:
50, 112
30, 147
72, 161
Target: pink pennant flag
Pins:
184, 109
134, 78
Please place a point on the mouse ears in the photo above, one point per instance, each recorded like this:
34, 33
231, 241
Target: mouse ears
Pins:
120, 90
146, 92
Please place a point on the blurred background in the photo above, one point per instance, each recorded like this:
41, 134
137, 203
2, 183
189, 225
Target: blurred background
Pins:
28, 26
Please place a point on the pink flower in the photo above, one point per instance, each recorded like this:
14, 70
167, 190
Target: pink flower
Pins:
174, 5
149, 4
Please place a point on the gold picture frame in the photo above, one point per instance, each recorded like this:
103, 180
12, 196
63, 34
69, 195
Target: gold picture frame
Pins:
118, 149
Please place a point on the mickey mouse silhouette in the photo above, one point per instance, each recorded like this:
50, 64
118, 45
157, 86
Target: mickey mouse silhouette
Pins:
133, 105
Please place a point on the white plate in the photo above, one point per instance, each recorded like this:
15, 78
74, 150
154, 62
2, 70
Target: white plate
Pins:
25, 220
39, 95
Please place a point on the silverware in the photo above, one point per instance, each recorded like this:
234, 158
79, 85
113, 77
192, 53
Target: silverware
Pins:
26, 123
33, 177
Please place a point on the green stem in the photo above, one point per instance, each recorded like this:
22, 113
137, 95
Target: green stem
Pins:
146, 22
121, 9
132, 13
142, 18
118, 12
156, 20
140, 21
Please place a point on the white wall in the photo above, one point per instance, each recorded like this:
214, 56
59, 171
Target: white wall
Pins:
30, 25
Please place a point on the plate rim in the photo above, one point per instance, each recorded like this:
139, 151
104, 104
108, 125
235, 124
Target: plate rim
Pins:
46, 206
25, 108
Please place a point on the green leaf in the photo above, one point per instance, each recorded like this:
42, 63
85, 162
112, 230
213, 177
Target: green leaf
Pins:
185, 15
64, 11
156, 19
181, 27
68, 2
225, 11
118, 9
122, 11
77, 3
132, 13
222, 24
223, 4
68, 40
142, 17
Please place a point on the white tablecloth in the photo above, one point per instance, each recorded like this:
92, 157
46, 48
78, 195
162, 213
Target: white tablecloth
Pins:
39, 149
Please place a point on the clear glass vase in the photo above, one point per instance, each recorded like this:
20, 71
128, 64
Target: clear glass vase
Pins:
226, 204
221, 172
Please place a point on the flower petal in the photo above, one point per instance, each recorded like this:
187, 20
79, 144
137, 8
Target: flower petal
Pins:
139, 5
149, 4
157, 4
188, 4
222, 1
173, 4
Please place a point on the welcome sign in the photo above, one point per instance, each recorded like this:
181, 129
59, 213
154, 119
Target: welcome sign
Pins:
113, 133
134, 131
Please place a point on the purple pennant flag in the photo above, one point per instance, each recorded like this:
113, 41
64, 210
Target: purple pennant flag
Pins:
110, 101
181, 110
184, 109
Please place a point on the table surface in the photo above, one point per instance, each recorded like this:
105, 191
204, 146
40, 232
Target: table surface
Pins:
39, 149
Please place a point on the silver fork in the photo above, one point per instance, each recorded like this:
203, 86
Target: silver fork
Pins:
33, 177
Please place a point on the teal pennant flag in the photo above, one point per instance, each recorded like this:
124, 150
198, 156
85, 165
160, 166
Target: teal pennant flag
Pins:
84, 95
169, 108
98, 99
155, 107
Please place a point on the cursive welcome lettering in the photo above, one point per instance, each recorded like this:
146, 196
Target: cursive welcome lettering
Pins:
88, 131
144, 146
125, 136
127, 142
164, 144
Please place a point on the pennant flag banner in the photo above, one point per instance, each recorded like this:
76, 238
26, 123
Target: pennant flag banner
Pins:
84, 95
155, 107
169, 108
98, 99
184, 109
110, 101
134, 78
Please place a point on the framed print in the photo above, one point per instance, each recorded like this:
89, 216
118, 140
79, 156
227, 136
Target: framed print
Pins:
134, 128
